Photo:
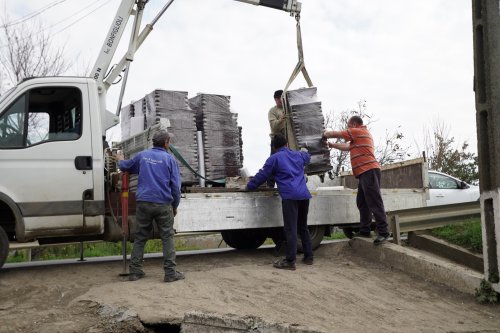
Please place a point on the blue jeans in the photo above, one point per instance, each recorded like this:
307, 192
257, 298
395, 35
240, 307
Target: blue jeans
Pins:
163, 215
295, 221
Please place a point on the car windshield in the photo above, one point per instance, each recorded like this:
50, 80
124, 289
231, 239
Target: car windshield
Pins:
5, 94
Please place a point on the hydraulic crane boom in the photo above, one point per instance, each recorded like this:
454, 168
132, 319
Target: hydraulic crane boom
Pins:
126, 9
101, 71
292, 6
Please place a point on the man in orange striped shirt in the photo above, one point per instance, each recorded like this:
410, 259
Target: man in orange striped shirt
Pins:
366, 169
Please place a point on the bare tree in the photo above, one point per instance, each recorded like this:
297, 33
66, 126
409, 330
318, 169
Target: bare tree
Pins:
28, 50
388, 151
445, 155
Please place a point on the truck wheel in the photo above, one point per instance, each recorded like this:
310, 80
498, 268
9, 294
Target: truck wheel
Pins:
317, 233
248, 239
4, 246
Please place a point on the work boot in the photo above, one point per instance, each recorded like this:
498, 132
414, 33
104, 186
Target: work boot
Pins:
362, 234
308, 260
171, 278
284, 264
380, 239
136, 276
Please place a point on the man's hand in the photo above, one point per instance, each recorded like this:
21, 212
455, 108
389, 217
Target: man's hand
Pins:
175, 211
118, 156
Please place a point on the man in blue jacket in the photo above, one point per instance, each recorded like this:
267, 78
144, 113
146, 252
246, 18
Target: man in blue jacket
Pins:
158, 195
287, 168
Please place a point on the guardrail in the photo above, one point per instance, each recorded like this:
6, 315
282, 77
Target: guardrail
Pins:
430, 217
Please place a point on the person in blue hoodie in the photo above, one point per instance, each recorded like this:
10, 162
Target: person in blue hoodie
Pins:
287, 168
157, 198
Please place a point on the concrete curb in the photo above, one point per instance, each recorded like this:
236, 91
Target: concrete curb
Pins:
447, 250
201, 322
415, 263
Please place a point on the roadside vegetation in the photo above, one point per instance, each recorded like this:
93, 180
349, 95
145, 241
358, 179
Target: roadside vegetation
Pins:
466, 234
94, 249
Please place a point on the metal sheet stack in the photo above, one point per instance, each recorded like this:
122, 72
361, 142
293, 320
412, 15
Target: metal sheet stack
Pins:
307, 123
150, 110
132, 119
221, 135
173, 105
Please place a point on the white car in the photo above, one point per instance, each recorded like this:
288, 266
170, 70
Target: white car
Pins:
445, 189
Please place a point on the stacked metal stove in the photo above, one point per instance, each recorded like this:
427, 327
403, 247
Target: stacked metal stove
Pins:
223, 146
307, 125
183, 117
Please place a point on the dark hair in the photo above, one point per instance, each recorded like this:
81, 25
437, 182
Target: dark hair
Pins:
278, 141
160, 138
278, 93
356, 119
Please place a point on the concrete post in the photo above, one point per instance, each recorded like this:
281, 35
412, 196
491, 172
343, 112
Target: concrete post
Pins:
486, 26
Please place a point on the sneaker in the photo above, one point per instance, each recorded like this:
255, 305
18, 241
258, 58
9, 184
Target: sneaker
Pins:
136, 276
380, 239
284, 264
362, 235
308, 260
175, 277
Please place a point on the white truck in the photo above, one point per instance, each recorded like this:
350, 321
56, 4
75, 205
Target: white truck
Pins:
54, 181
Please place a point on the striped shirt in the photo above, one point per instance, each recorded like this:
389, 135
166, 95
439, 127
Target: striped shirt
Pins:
361, 149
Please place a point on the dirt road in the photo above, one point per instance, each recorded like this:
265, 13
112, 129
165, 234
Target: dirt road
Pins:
339, 293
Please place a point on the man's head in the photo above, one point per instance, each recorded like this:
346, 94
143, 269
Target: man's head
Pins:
278, 142
355, 121
161, 139
277, 98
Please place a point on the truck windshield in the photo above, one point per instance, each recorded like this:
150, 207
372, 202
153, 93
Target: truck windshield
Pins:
5, 94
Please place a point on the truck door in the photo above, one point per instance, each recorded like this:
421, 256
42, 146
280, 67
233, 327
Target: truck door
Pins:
46, 158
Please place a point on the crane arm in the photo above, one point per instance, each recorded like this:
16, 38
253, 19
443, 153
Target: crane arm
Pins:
112, 39
291, 6
135, 8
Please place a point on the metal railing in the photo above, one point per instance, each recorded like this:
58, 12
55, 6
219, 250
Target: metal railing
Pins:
430, 217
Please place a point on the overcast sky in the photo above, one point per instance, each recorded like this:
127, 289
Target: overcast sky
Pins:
411, 61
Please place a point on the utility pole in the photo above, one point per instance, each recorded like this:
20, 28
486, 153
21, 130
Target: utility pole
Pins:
486, 26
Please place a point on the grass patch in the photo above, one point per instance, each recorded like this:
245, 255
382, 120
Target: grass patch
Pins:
466, 234
336, 235
95, 249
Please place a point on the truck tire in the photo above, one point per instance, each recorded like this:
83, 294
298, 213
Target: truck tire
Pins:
4, 246
248, 239
317, 233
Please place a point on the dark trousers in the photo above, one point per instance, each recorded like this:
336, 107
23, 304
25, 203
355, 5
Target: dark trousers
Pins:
295, 221
369, 202
163, 215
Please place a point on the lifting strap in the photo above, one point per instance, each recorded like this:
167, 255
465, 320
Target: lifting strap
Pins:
176, 153
300, 67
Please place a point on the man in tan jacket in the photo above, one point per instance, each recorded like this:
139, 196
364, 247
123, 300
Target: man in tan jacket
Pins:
277, 124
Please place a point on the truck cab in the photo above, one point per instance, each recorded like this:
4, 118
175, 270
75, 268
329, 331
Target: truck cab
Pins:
51, 159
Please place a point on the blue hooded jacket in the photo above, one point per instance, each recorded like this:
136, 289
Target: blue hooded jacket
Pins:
287, 167
159, 177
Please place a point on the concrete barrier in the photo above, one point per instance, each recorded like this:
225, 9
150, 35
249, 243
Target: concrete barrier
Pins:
414, 262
